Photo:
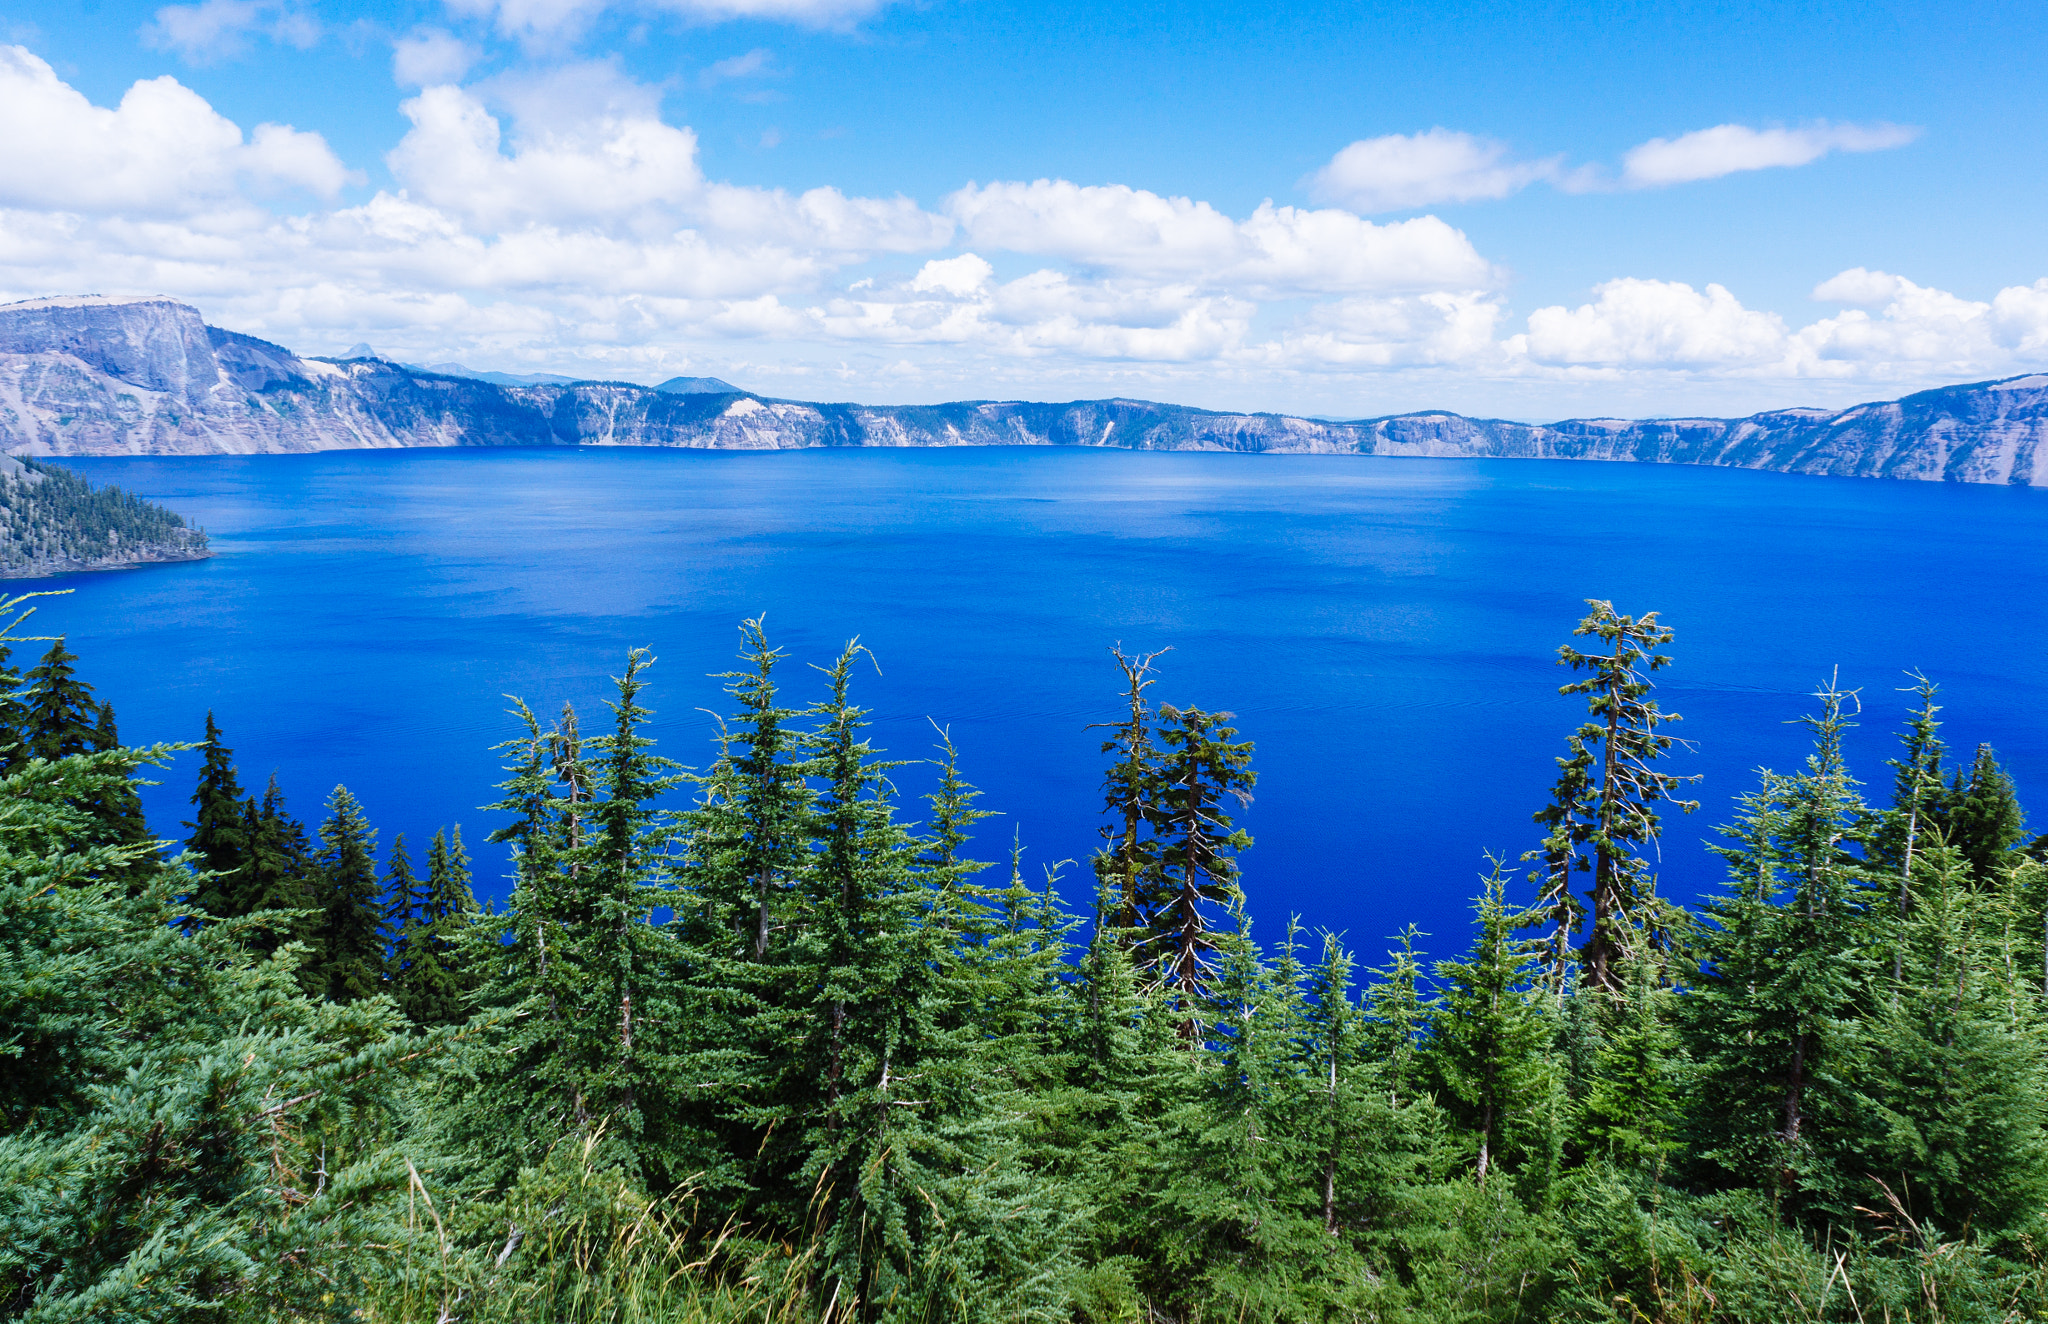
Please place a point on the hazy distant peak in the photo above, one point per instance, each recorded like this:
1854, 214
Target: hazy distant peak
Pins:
697, 386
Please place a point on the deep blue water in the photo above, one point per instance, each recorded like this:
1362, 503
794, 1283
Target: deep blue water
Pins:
1384, 629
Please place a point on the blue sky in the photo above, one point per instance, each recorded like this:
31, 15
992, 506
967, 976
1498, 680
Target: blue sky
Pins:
1526, 210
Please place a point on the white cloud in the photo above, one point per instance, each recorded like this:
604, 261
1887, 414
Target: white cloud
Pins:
957, 276
431, 56
1645, 322
1400, 171
1277, 251
1726, 149
217, 29
451, 158
162, 150
557, 221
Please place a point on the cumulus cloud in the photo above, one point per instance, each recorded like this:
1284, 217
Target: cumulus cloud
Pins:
1275, 252
557, 220
1400, 171
218, 29
1727, 149
429, 57
1659, 322
163, 149
1904, 332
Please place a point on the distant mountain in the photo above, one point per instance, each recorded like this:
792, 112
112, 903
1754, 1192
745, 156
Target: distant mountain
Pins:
698, 386
53, 522
94, 376
495, 378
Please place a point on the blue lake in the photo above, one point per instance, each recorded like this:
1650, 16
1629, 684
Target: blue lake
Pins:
1384, 629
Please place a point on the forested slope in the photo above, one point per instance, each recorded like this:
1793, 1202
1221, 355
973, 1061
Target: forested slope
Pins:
52, 521
765, 1042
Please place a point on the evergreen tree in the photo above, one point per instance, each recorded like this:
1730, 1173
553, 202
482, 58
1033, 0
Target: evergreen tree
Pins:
61, 709
1919, 811
1785, 981
1606, 797
1201, 769
220, 830
433, 986
1630, 1110
349, 928
1985, 822
590, 1056
15, 750
1489, 1039
119, 807
278, 877
1956, 1071
404, 902
1130, 794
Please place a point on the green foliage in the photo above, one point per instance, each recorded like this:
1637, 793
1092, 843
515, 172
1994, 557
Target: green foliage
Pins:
780, 1053
50, 517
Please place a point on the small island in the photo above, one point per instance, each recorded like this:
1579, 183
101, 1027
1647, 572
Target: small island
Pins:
53, 522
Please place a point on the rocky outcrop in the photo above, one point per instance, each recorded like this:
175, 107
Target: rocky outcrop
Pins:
93, 376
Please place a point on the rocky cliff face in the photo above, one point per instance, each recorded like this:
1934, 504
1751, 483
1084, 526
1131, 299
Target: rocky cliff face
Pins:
93, 376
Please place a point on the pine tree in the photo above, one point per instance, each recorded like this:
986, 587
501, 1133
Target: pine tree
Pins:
1785, 980
589, 1057
1919, 811
1986, 825
220, 830
61, 710
278, 874
1606, 797
118, 807
1956, 1069
1489, 1039
404, 900
15, 750
1201, 769
350, 925
433, 986
1630, 1110
1130, 794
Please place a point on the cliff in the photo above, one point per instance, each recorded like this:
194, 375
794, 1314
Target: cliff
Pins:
97, 376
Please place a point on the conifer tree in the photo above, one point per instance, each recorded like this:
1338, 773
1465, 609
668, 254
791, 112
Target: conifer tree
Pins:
14, 742
1130, 794
220, 829
1488, 1039
1956, 1071
404, 900
1985, 823
278, 874
1201, 770
585, 964
1786, 978
1606, 796
1630, 1110
433, 986
350, 925
61, 710
1919, 810
118, 807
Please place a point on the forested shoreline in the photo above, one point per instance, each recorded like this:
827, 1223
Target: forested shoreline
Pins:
53, 521
762, 1040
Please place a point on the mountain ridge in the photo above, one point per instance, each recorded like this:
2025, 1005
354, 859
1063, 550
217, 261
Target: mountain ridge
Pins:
88, 375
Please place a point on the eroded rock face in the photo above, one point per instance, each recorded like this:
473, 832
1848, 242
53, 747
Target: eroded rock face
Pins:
94, 376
